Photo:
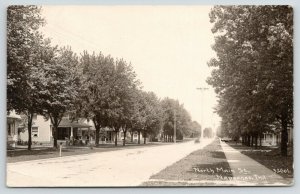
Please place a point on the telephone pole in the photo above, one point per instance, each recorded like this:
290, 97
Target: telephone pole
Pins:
202, 90
174, 138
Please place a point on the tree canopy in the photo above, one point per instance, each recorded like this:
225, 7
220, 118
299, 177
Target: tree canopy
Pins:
53, 81
253, 71
24, 59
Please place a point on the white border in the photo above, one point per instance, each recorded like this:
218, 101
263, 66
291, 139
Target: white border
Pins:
211, 190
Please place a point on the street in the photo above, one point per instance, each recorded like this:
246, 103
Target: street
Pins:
114, 168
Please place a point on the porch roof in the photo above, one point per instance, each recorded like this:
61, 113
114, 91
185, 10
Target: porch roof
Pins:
13, 116
65, 122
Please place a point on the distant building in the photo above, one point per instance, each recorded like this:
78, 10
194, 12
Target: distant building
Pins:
273, 138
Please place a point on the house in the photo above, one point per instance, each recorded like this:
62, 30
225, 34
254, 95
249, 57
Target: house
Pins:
73, 132
107, 135
273, 138
17, 132
41, 131
13, 121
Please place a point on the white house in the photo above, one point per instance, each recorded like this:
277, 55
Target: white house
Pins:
41, 131
274, 138
78, 131
13, 122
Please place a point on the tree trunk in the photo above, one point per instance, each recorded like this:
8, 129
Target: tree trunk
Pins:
249, 140
54, 134
29, 126
116, 137
256, 137
131, 136
97, 127
124, 138
260, 142
284, 137
55, 120
97, 135
145, 134
139, 137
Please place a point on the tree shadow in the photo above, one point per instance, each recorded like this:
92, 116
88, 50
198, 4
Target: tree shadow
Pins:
48, 151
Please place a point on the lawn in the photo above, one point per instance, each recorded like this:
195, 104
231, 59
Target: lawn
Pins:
200, 168
269, 157
19, 155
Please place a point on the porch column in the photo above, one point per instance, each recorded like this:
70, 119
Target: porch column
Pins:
71, 136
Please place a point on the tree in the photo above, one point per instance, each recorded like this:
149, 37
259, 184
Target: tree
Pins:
59, 85
195, 129
152, 120
125, 85
138, 117
107, 90
24, 61
207, 132
253, 70
171, 109
96, 89
23, 39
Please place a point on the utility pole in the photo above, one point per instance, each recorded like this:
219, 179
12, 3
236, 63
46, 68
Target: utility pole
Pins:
174, 125
202, 90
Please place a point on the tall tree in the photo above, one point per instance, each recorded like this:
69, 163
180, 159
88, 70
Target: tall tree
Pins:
153, 115
253, 70
125, 85
23, 61
175, 112
195, 129
138, 117
106, 92
59, 85
97, 89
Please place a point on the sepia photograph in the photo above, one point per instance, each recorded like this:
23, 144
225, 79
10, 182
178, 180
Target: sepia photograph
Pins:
149, 96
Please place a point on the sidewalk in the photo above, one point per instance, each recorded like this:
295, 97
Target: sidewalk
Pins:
248, 172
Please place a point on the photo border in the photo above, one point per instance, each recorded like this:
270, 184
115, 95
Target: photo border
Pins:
173, 190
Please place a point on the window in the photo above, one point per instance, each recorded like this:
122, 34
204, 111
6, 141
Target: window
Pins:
9, 129
34, 118
35, 131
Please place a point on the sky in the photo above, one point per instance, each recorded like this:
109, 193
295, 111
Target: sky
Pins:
168, 46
